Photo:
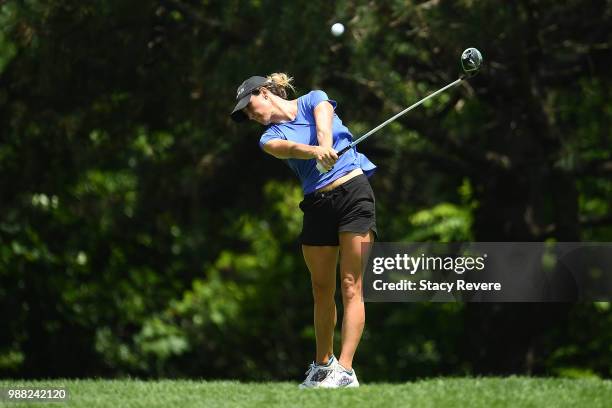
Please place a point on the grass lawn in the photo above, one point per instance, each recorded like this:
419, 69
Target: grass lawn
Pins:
435, 392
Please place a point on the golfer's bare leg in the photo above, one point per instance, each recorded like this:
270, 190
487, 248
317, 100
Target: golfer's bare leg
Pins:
350, 281
321, 262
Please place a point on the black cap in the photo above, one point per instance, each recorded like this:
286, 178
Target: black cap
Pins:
243, 96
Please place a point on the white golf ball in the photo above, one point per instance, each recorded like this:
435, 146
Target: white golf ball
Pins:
337, 29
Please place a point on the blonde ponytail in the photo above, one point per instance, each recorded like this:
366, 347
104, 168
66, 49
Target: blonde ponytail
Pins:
278, 83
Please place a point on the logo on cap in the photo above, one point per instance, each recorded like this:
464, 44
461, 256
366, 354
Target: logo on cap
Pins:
240, 91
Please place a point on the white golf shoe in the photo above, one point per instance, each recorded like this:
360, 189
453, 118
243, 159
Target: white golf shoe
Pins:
345, 379
317, 374
331, 375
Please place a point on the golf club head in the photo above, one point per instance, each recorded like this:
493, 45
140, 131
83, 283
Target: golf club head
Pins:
471, 60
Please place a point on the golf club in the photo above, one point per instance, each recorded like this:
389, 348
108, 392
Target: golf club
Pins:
471, 60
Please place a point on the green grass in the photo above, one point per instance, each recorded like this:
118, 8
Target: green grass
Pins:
437, 392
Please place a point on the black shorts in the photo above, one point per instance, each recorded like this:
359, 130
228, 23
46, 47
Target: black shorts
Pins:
350, 207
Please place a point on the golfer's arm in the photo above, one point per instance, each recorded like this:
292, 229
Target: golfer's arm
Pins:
324, 115
285, 149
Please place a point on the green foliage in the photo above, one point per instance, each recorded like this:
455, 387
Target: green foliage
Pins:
445, 222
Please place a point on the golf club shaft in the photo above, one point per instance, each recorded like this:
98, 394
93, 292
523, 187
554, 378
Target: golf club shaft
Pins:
385, 123
391, 119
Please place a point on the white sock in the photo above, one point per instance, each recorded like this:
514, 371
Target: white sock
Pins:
347, 371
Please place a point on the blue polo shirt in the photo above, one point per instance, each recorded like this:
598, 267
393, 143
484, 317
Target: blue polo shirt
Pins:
303, 130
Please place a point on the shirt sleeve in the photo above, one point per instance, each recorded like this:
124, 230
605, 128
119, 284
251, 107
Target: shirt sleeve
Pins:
269, 135
318, 96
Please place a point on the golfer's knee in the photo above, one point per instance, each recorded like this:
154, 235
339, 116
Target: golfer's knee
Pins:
323, 292
351, 288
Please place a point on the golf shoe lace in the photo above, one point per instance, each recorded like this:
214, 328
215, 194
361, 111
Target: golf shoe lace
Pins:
311, 368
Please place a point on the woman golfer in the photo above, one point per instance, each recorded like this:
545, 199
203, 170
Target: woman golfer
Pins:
338, 207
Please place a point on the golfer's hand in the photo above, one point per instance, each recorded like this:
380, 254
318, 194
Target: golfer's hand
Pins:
325, 156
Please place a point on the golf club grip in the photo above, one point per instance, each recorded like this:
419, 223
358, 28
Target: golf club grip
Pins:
343, 150
339, 153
